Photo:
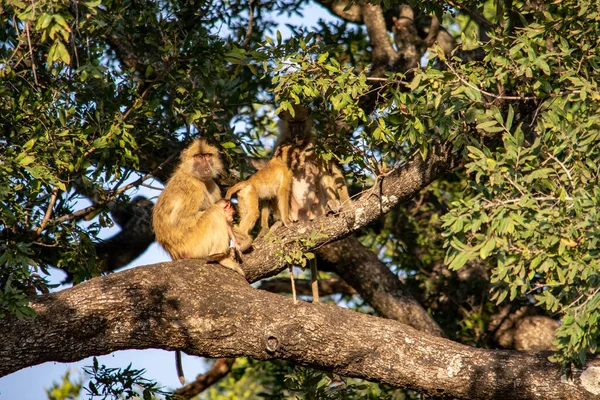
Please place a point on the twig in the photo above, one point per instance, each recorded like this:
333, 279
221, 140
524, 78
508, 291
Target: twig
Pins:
586, 300
250, 22
150, 186
40, 229
537, 111
497, 96
502, 97
565, 169
512, 201
148, 175
220, 368
87, 210
476, 15
327, 287
33, 68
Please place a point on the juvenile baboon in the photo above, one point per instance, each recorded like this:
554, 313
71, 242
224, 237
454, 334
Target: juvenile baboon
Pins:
271, 182
218, 251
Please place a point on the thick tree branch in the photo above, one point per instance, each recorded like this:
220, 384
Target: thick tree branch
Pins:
376, 284
523, 329
395, 187
383, 54
211, 311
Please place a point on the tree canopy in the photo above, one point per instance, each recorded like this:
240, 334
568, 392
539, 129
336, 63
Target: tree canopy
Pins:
468, 133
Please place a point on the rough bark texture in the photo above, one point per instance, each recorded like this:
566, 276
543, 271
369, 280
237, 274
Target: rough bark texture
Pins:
523, 329
376, 284
207, 310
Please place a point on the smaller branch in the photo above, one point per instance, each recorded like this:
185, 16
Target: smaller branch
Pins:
83, 212
501, 97
512, 201
250, 22
220, 368
476, 15
565, 169
341, 9
42, 226
537, 111
150, 186
434, 29
326, 286
33, 68
148, 175
490, 94
383, 53
587, 300
514, 184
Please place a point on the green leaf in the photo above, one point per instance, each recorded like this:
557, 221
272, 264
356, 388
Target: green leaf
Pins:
62, 53
476, 152
459, 261
510, 117
490, 126
62, 22
322, 57
25, 160
501, 297
487, 248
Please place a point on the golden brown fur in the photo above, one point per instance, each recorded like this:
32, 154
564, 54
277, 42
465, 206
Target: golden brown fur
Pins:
318, 186
271, 182
186, 220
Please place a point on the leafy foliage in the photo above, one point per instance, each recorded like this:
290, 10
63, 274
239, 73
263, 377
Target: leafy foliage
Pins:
277, 379
531, 206
96, 93
116, 383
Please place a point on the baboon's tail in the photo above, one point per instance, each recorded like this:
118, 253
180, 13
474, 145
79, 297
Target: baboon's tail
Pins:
234, 189
179, 366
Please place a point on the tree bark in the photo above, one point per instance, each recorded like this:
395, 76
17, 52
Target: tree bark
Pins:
207, 310
376, 284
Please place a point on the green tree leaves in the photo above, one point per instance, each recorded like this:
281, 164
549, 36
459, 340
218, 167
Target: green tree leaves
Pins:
531, 208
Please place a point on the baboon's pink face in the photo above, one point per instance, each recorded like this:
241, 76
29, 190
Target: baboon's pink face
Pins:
228, 209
